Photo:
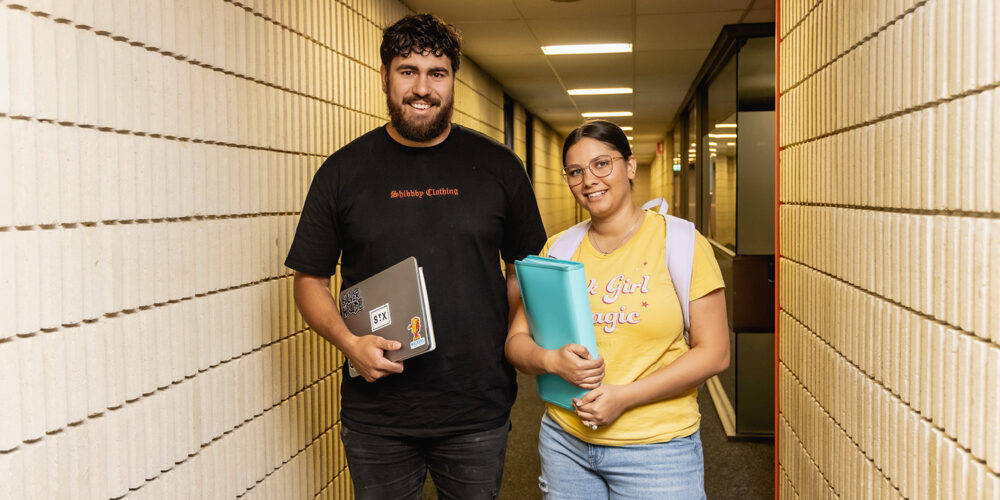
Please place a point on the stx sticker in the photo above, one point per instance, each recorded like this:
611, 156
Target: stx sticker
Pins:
380, 317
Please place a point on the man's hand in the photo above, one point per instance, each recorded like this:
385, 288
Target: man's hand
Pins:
574, 364
367, 353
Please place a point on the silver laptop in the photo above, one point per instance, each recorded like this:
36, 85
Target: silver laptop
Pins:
392, 304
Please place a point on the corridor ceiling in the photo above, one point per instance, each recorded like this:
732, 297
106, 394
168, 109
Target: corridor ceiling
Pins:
671, 39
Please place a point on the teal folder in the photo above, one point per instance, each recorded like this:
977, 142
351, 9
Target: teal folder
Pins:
554, 293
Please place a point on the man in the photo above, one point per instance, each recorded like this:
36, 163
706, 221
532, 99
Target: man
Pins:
457, 201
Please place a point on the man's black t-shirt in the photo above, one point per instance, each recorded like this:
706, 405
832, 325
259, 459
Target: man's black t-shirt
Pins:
457, 207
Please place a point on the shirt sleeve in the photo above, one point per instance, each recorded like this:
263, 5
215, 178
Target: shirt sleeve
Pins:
524, 233
705, 275
315, 248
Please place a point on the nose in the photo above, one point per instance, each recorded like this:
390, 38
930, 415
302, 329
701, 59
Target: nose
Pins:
421, 85
589, 179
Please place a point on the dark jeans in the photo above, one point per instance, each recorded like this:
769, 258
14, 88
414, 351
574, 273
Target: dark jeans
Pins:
467, 466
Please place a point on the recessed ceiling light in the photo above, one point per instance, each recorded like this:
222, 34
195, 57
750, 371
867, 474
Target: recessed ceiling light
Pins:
629, 137
725, 125
599, 114
607, 91
722, 136
594, 48
730, 144
626, 127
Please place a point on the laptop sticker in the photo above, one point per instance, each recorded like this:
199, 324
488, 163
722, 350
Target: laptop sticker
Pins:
414, 328
351, 303
380, 317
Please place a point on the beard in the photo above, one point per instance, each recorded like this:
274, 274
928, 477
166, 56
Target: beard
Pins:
423, 130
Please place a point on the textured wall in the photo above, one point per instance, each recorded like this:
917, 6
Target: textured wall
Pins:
154, 157
890, 249
555, 201
724, 197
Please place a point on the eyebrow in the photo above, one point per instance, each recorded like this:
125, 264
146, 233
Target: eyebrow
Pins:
413, 67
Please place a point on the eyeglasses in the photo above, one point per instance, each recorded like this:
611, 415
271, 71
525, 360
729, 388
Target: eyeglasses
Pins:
602, 166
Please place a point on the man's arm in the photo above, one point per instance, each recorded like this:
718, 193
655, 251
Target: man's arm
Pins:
319, 309
513, 293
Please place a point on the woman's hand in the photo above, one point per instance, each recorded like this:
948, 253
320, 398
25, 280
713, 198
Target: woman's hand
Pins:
574, 363
601, 406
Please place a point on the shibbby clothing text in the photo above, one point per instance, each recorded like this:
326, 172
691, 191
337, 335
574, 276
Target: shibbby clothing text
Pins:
420, 193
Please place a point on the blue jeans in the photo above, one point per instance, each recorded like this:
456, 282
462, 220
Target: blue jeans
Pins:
467, 466
574, 469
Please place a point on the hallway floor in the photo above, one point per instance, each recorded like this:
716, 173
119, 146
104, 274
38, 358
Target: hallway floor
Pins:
734, 468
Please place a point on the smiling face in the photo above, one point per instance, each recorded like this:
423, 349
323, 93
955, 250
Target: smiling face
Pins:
419, 92
601, 196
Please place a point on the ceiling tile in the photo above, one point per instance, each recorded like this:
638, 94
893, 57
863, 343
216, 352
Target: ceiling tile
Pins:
497, 38
604, 102
760, 16
682, 31
548, 9
643, 7
613, 29
457, 11
510, 67
597, 70
669, 62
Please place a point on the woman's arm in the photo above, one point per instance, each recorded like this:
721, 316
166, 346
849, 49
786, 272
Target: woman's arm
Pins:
708, 356
572, 362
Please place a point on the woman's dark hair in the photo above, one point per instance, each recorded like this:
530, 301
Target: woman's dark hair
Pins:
603, 131
424, 34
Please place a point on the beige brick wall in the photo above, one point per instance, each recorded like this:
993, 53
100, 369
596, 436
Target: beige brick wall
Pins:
555, 201
661, 176
520, 135
154, 157
889, 366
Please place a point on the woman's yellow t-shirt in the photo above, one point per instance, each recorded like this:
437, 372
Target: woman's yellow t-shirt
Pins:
639, 329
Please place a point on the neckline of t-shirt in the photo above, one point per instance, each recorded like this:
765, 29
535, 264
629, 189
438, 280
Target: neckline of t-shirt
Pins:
425, 149
631, 241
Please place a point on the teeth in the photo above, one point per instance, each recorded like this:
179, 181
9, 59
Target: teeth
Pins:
595, 195
419, 105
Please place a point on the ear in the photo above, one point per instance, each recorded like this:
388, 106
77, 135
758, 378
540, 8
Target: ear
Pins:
385, 78
632, 167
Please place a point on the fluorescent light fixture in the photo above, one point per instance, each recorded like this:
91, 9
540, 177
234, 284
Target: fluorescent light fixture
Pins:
599, 114
629, 137
722, 136
725, 125
593, 48
710, 143
626, 128
730, 144
607, 91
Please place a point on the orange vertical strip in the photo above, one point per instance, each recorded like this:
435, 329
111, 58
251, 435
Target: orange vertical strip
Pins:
777, 241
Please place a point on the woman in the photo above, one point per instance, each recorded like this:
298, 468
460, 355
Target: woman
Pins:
635, 434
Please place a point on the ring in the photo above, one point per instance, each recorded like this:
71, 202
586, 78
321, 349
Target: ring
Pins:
593, 427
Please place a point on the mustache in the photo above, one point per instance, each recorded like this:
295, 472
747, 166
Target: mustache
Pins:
429, 100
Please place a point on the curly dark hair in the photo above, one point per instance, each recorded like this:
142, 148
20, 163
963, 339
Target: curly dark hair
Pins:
422, 33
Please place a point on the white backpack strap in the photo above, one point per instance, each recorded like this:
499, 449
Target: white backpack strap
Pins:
659, 203
566, 245
679, 250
